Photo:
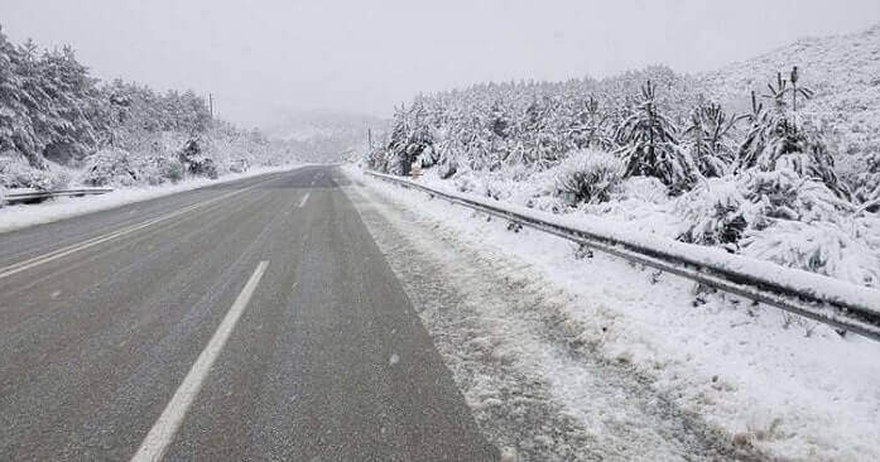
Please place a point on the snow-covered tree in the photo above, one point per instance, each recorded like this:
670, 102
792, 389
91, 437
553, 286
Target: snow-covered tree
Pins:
649, 144
54, 115
709, 136
410, 137
779, 138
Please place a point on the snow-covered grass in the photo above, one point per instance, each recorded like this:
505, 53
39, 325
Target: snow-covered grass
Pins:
21, 216
790, 387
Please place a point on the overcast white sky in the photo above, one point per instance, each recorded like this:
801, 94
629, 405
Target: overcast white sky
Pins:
362, 56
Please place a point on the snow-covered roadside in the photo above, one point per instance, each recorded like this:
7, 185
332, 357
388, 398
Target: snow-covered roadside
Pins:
21, 216
732, 363
511, 360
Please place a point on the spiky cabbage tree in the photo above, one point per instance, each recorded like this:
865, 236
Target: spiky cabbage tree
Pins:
779, 138
589, 127
649, 145
709, 132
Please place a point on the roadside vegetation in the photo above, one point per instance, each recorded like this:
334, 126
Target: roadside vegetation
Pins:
784, 178
60, 126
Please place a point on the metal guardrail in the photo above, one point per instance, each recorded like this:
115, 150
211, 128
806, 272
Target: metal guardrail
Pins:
837, 303
29, 197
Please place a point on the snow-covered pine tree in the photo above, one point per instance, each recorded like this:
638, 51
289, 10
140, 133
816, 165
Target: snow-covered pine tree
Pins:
866, 185
19, 135
48, 105
589, 128
600, 135
53, 112
15, 133
779, 138
72, 108
410, 138
649, 145
755, 142
709, 139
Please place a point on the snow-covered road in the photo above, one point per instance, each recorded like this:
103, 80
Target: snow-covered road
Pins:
563, 358
533, 385
256, 320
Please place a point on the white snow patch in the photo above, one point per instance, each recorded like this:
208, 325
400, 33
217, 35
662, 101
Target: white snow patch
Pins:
799, 391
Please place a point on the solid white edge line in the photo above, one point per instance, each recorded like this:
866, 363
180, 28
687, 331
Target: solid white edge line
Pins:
160, 436
304, 199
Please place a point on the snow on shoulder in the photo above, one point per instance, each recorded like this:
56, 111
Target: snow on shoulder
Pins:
22, 216
790, 387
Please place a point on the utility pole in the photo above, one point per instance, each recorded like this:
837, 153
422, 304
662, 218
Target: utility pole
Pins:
211, 104
370, 137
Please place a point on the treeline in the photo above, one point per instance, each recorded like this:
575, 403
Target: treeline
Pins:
762, 183
654, 121
59, 124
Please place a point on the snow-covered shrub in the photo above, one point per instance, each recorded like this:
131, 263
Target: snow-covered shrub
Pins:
782, 217
159, 170
644, 189
59, 179
239, 166
832, 249
465, 184
716, 212
174, 171
589, 176
708, 136
16, 172
784, 194
498, 189
196, 161
650, 147
722, 210
377, 160
110, 167
865, 182
447, 169
866, 191
780, 138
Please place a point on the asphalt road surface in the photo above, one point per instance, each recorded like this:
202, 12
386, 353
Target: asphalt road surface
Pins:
252, 320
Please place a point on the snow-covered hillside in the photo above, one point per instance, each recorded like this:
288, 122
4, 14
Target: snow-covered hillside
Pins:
844, 72
789, 173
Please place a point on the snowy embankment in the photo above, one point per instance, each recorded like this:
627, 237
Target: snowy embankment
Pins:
789, 387
658, 248
21, 216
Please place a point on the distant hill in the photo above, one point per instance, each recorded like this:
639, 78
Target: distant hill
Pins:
843, 70
323, 136
799, 187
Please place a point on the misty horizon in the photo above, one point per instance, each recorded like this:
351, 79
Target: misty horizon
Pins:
261, 63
